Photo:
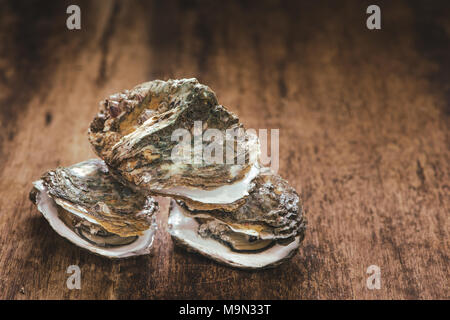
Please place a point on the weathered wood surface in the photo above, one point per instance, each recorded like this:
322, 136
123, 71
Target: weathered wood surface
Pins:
364, 136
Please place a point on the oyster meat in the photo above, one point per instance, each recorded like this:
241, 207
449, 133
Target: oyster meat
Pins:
86, 205
134, 134
263, 232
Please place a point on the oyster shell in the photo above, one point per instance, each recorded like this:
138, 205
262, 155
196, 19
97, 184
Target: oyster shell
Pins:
86, 205
262, 232
133, 134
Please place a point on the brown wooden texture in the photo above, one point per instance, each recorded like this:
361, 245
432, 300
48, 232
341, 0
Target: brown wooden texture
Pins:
364, 137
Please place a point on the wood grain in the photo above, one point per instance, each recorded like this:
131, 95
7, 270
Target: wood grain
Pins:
364, 137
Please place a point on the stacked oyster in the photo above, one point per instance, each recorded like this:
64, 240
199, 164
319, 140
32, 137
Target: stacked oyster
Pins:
229, 209
86, 205
135, 134
172, 138
263, 231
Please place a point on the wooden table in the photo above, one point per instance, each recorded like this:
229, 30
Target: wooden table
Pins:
364, 137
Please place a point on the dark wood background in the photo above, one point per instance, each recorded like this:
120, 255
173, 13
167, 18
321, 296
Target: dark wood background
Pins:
364, 137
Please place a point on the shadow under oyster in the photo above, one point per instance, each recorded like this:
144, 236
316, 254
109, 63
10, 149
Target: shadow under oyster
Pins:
264, 231
133, 134
86, 205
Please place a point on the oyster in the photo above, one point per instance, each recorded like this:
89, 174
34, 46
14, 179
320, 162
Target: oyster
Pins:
264, 231
86, 205
134, 134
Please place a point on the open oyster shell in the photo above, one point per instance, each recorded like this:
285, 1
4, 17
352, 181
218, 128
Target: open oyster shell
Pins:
263, 232
86, 205
133, 134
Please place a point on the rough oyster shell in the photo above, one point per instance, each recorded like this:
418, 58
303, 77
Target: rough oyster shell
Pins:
263, 232
84, 204
133, 131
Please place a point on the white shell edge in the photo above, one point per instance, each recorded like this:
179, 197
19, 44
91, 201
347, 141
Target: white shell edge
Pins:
225, 194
